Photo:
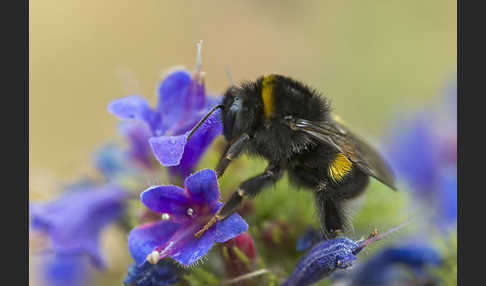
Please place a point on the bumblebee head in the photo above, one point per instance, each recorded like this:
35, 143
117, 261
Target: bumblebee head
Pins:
238, 112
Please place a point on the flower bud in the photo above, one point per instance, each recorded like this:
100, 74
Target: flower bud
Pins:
239, 255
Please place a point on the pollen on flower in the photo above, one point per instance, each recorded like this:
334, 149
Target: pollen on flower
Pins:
165, 216
153, 257
190, 211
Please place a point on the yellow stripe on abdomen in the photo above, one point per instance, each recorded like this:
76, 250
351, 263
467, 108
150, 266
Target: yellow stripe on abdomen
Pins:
267, 95
339, 167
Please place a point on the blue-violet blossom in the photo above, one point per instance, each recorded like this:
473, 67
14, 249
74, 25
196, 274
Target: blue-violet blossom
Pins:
327, 256
183, 213
182, 103
423, 151
322, 260
61, 270
165, 272
310, 237
387, 266
74, 221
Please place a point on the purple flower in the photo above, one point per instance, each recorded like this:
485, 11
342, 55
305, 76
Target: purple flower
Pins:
61, 270
138, 134
73, 222
423, 151
327, 256
310, 237
182, 103
183, 213
385, 268
322, 260
165, 272
239, 254
111, 161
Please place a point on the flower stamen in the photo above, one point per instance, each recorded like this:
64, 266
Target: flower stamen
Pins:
198, 56
165, 216
153, 257
190, 211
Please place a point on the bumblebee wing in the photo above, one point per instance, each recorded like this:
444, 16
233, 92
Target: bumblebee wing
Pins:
365, 157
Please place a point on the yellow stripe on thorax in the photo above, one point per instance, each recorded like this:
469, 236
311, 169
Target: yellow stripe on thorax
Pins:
267, 96
339, 167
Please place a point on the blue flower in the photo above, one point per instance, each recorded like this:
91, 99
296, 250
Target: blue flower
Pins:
322, 260
61, 270
183, 213
165, 272
327, 256
111, 161
310, 237
138, 134
182, 103
73, 222
386, 267
423, 152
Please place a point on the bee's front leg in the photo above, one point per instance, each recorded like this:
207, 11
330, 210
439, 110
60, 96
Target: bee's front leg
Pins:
232, 151
248, 188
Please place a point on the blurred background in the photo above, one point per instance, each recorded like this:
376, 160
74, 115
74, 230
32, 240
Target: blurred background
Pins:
372, 59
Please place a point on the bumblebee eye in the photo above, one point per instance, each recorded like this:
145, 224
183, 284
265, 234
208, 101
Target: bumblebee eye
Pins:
236, 105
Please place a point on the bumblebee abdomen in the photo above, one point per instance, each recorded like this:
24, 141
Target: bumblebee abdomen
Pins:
339, 168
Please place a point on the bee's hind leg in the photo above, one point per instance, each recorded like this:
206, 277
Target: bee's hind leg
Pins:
331, 214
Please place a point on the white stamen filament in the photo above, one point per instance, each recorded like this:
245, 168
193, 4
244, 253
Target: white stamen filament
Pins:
198, 57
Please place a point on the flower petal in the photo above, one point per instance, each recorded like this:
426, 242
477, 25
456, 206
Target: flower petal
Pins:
197, 145
172, 91
165, 272
310, 237
194, 248
143, 239
77, 228
109, 159
75, 220
230, 227
447, 197
213, 100
167, 199
202, 186
414, 153
135, 107
60, 270
138, 135
168, 149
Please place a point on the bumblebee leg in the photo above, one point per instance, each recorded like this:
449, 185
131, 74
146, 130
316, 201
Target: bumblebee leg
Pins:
330, 214
248, 188
234, 149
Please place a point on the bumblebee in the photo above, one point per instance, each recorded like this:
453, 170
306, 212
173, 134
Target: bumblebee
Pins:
290, 125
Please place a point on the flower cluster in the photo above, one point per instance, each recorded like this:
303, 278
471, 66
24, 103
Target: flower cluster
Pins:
183, 212
69, 228
74, 221
182, 103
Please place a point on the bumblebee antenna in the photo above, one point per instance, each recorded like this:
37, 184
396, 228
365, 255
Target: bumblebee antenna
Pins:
203, 119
